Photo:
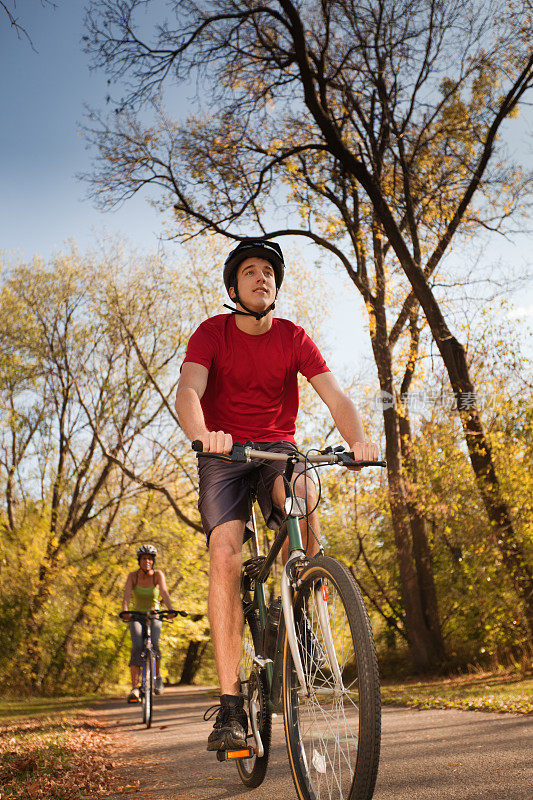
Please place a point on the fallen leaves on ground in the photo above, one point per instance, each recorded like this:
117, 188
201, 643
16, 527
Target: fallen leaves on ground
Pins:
51, 758
483, 692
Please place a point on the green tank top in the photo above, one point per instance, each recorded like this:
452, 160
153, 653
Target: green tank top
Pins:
145, 598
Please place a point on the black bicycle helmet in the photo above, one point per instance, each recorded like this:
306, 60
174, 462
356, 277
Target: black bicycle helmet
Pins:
146, 550
248, 248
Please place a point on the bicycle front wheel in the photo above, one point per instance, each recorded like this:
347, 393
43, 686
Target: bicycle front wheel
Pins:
148, 691
252, 770
333, 729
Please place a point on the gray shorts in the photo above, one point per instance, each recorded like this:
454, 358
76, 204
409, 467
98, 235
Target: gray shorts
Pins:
225, 489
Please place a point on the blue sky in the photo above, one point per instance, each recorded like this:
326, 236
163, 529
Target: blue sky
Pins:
42, 204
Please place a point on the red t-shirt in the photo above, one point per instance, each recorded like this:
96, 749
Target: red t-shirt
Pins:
252, 388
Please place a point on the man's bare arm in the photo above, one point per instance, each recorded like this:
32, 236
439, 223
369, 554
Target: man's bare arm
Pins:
191, 387
345, 416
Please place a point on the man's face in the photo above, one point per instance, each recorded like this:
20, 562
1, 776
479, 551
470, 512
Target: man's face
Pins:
256, 283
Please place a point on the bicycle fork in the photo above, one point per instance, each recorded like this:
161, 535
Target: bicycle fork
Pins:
290, 626
288, 614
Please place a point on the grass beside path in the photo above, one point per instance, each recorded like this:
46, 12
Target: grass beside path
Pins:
11, 708
506, 692
52, 749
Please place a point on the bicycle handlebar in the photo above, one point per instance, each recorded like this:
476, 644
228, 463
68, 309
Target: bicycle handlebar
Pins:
163, 614
246, 452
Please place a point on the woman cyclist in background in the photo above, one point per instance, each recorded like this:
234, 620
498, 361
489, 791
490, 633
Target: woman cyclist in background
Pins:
148, 586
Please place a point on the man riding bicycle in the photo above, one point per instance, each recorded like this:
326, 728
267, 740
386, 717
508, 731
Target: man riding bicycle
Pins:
239, 383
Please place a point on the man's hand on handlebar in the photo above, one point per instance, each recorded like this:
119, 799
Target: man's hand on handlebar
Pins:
216, 442
364, 451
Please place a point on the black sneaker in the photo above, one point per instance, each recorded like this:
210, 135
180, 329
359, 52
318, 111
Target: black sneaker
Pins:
231, 726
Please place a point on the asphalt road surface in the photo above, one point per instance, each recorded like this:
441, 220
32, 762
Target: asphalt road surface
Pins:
425, 755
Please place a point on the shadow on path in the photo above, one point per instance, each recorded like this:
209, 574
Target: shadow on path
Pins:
426, 755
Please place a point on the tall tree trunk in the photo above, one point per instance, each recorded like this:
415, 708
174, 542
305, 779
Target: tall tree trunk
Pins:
501, 526
421, 548
418, 523
193, 659
452, 352
424, 653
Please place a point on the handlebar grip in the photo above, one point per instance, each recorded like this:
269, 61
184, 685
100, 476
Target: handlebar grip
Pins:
236, 453
343, 459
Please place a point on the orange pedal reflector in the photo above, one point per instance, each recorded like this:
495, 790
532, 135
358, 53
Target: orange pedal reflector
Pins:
248, 753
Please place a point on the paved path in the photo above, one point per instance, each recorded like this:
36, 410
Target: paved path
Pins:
426, 755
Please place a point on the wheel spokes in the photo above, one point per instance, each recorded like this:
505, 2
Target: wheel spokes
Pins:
328, 717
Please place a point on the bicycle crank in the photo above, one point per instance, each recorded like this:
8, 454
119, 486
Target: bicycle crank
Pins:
256, 707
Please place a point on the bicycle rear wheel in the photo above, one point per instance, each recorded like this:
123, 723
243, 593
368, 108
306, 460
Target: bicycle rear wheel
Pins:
333, 731
252, 770
148, 692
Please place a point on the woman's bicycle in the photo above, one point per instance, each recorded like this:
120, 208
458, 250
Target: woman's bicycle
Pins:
311, 654
148, 655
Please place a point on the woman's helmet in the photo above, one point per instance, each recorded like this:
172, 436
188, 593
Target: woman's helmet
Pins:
248, 248
146, 550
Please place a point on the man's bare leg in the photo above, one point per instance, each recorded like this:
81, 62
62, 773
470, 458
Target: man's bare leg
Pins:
224, 604
304, 487
227, 622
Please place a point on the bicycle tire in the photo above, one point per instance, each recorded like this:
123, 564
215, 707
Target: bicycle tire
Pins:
332, 734
148, 691
252, 770
143, 691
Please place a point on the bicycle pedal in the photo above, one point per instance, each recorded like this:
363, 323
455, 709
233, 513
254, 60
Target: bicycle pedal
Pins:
245, 752
253, 566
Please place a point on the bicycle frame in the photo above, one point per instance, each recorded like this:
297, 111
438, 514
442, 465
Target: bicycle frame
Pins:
147, 652
290, 529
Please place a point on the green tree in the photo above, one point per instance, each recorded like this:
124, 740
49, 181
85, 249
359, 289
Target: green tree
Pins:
80, 406
482, 623
381, 156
